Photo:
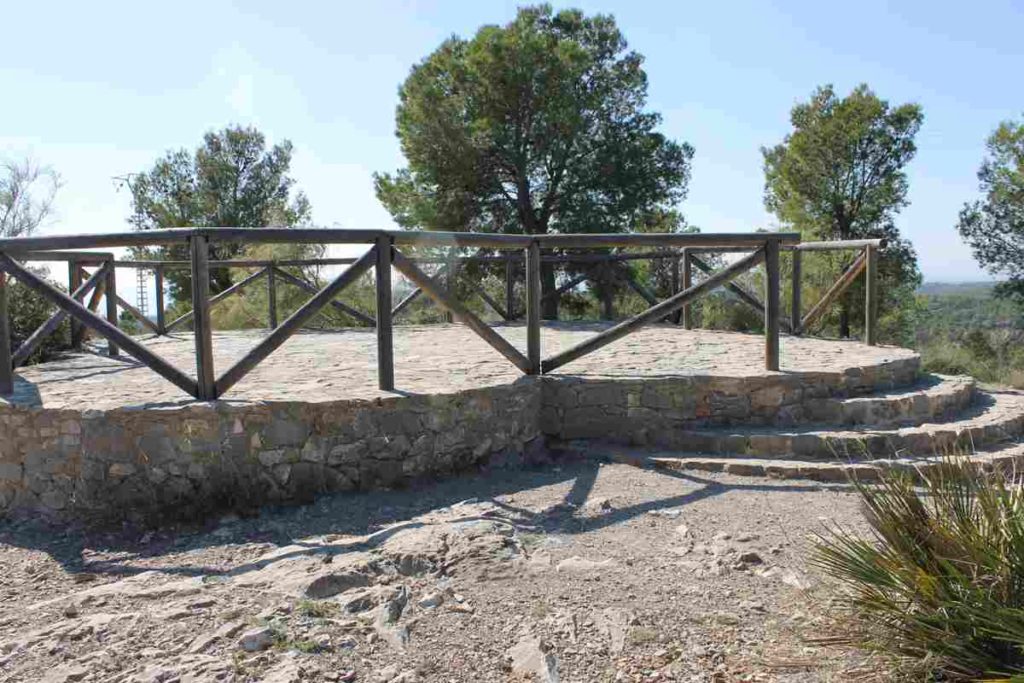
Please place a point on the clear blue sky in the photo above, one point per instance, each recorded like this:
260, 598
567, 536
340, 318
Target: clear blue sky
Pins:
102, 89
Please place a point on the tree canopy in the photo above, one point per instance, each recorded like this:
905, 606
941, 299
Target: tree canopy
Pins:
994, 225
533, 127
840, 175
230, 180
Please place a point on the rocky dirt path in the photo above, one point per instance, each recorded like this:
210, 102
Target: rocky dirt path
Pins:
576, 573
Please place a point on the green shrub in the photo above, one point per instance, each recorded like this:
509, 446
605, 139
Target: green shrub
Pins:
28, 310
939, 585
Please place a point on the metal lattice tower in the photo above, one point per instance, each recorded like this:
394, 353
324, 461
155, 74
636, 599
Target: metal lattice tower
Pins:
141, 295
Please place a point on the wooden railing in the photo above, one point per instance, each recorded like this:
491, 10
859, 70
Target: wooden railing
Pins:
386, 253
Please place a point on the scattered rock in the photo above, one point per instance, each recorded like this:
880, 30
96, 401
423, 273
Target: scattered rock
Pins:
256, 639
531, 657
431, 600
580, 564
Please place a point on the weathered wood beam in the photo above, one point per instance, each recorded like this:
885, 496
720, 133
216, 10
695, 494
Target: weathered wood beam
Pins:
796, 292
772, 307
510, 288
871, 296
111, 298
293, 323
533, 306
653, 313
99, 325
564, 287
384, 253
737, 289
161, 310
458, 311
344, 308
6, 365
488, 299
687, 310
834, 292
74, 282
216, 299
415, 293
271, 298
29, 346
202, 328
137, 314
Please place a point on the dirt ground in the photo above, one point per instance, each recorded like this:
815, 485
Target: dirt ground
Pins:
577, 572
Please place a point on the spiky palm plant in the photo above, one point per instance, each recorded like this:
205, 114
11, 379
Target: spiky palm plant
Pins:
940, 582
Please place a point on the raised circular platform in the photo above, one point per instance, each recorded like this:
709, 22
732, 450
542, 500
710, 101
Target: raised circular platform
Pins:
94, 435
434, 359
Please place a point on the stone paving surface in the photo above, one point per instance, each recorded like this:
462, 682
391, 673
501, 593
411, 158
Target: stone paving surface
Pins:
334, 365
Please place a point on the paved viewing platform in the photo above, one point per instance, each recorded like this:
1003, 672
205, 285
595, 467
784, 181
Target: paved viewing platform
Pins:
429, 359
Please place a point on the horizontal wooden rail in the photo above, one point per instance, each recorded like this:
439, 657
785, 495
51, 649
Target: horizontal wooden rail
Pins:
653, 313
458, 311
99, 325
17, 245
293, 323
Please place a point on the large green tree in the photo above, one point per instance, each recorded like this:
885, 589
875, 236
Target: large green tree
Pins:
231, 180
840, 175
533, 127
994, 226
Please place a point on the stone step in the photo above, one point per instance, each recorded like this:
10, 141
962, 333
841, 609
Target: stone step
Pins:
1009, 458
935, 397
993, 417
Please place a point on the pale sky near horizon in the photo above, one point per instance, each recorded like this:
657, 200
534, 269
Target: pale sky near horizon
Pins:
97, 90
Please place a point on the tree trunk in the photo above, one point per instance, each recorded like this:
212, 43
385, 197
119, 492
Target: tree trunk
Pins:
844, 317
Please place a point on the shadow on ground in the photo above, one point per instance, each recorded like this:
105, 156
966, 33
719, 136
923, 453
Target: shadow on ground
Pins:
375, 516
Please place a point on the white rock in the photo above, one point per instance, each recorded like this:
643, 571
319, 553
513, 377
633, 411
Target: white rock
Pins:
530, 657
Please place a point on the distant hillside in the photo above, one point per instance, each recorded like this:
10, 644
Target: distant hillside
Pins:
966, 306
957, 288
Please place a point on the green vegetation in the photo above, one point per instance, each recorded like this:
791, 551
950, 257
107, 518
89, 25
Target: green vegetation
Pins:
994, 226
839, 175
938, 586
966, 329
230, 180
534, 127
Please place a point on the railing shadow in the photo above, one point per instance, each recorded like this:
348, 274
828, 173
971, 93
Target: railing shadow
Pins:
353, 514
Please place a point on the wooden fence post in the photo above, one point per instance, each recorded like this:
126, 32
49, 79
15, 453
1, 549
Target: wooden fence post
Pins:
533, 306
199, 251
111, 296
510, 287
6, 366
871, 297
74, 282
271, 298
450, 280
687, 283
796, 294
385, 334
772, 309
161, 313
674, 287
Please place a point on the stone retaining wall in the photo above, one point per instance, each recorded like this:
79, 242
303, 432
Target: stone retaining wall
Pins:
650, 411
190, 458
195, 457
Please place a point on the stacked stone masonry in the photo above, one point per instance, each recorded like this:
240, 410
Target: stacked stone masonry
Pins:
193, 456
